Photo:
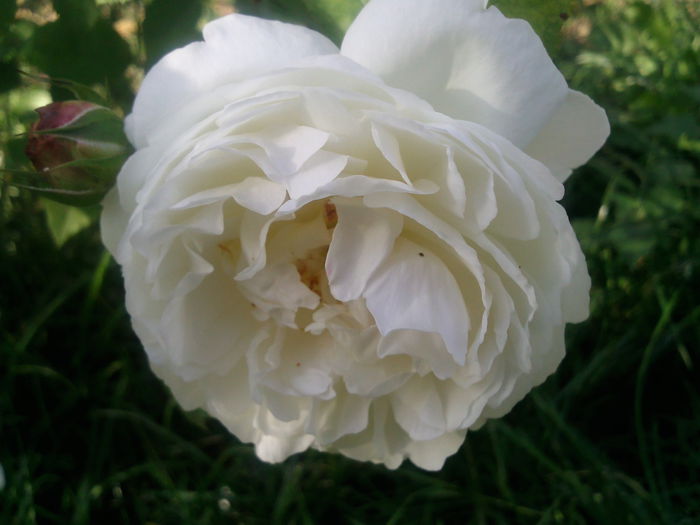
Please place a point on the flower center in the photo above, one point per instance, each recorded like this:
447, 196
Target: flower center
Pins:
293, 288
312, 266
330, 215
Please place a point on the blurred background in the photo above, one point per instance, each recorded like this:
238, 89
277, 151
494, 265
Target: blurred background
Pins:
89, 435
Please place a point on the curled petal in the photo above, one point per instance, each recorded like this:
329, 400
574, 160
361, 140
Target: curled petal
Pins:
361, 241
413, 289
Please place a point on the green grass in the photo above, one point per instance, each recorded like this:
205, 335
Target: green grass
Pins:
89, 435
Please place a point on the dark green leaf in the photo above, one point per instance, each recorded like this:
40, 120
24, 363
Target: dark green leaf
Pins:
77, 12
87, 54
170, 24
9, 75
7, 13
330, 17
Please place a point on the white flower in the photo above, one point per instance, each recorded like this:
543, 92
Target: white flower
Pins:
357, 250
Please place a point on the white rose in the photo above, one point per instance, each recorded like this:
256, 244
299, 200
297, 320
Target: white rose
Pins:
359, 250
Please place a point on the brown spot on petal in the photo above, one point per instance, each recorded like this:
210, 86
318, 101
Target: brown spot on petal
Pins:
225, 249
311, 270
330, 215
312, 273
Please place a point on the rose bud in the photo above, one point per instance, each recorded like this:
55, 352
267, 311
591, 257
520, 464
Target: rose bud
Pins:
78, 148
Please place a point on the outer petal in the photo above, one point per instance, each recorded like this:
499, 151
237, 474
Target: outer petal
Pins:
113, 221
575, 132
431, 454
235, 47
469, 62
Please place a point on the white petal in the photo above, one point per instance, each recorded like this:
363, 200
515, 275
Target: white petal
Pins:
469, 62
113, 222
427, 348
207, 329
575, 132
343, 415
294, 240
301, 368
556, 266
418, 409
576, 294
431, 454
277, 287
319, 170
289, 147
455, 190
253, 234
361, 241
235, 47
137, 169
370, 376
254, 193
179, 271
282, 438
229, 397
358, 186
414, 290
387, 143
377, 378
443, 236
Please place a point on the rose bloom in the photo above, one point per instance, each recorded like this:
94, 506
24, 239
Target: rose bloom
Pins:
355, 250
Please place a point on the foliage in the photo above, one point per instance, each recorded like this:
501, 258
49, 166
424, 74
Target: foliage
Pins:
330, 17
169, 24
88, 435
64, 221
546, 16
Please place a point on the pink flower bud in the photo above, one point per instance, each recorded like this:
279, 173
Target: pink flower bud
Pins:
78, 148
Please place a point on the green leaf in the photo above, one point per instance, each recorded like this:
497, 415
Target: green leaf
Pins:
170, 24
339, 13
89, 54
9, 75
77, 12
7, 13
64, 221
330, 17
545, 16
